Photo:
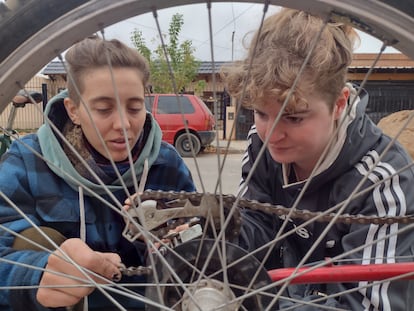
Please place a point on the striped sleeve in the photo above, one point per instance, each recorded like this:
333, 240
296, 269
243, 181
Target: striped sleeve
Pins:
381, 241
247, 163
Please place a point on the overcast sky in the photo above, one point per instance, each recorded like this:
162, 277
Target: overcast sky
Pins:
240, 18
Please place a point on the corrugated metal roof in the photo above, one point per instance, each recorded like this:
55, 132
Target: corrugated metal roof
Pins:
360, 61
56, 67
385, 67
207, 67
385, 62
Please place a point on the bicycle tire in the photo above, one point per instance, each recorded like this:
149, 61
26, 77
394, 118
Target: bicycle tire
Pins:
20, 17
28, 51
38, 44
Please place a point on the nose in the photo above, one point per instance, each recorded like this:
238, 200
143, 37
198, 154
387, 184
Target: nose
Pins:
278, 133
121, 120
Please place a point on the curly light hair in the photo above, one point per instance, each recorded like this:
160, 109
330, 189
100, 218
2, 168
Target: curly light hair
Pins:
278, 52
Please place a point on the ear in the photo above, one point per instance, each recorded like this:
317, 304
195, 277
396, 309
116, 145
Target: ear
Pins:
341, 102
72, 109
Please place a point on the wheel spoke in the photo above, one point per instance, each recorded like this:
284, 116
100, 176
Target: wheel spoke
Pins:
209, 272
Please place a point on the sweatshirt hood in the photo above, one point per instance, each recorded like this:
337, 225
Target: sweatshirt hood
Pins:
50, 144
362, 135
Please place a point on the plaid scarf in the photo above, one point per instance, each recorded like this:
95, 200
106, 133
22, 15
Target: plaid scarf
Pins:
96, 164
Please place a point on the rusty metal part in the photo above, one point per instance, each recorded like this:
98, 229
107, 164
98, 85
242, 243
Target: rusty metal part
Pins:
160, 212
279, 210
131, 271
172, 209
184, 205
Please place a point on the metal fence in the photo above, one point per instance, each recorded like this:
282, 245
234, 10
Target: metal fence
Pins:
30, 117
387, 97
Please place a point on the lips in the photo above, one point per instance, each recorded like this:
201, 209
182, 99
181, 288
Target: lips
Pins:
118, 143
278, 147
118, 140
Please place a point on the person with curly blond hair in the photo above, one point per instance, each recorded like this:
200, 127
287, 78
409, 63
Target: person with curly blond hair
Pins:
320, 145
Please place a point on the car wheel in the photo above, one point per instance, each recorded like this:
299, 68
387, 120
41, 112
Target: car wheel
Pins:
183, 144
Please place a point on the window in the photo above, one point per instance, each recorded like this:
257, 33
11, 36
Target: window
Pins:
171, 105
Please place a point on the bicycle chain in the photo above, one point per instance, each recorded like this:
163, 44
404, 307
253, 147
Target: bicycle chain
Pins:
278, 210
131, 271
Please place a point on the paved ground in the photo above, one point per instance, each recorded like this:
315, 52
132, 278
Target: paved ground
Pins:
207, 174
226, 146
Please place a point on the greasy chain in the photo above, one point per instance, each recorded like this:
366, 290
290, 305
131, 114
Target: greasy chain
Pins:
233, 229
229, 200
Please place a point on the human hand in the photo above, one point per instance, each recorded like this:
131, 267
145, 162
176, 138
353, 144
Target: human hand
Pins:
129, 201
104, 264
129, 204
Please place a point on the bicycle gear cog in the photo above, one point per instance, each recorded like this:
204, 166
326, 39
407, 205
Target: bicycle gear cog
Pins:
208, 286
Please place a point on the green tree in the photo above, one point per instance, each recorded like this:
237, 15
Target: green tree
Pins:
180, 55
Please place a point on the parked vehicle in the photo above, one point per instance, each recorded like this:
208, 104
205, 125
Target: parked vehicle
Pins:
173, 111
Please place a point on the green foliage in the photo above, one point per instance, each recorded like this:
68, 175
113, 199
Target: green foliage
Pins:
183, 64
199, 87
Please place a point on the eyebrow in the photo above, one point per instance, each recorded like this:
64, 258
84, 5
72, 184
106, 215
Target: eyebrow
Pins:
113, 99
101, 98
304, 111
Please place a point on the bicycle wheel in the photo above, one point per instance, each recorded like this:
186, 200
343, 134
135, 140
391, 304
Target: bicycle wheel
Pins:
40, 43
190, 276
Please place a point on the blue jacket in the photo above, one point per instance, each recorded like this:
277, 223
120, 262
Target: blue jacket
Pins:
46, 191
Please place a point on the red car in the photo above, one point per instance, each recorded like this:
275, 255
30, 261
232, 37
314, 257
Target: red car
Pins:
172, 112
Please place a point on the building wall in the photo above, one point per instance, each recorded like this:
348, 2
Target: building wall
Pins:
391, 69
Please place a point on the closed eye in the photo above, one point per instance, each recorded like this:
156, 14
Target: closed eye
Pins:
294, 119
260, 114
135, 110
135, 106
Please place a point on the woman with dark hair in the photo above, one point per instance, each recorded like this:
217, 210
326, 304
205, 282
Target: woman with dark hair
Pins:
110, 142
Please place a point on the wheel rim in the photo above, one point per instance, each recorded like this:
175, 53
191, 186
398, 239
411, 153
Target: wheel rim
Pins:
206, 287
187, 143
36, 52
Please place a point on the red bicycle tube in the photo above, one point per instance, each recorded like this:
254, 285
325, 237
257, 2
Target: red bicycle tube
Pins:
345, 273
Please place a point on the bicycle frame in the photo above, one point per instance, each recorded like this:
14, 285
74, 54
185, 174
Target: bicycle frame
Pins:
344, 273
19, 101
